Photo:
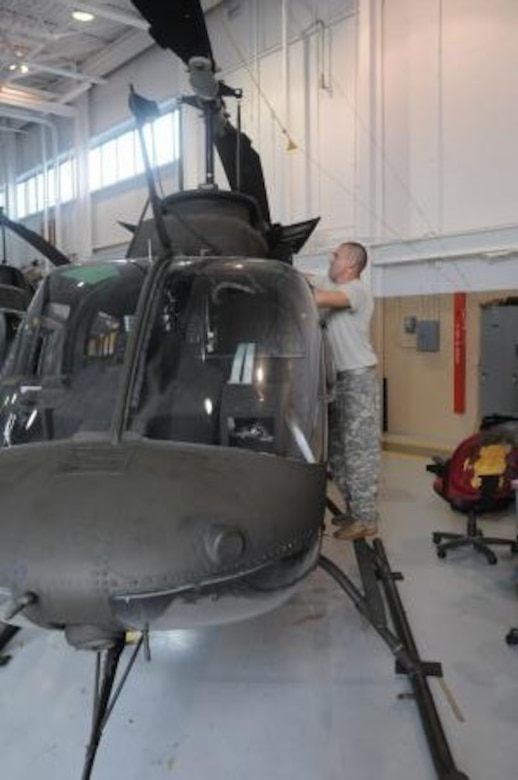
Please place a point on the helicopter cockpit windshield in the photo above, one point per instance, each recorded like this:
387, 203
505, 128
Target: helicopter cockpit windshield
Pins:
232, 358
226, 353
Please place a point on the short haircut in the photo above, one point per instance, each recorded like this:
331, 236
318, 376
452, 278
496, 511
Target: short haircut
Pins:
358, 251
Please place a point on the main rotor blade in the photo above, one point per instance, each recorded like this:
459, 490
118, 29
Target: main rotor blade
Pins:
35, 240
178, 25
252, 180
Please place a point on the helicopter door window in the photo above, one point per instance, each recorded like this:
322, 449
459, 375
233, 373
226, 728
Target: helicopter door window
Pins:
68, 354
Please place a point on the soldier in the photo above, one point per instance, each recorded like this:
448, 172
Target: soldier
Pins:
354, 418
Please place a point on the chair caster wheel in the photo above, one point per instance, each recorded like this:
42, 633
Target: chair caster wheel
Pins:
490, 557
441, 553
512, 637
436, 538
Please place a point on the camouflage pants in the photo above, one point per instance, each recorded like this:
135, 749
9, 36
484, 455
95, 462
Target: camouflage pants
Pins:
355, 441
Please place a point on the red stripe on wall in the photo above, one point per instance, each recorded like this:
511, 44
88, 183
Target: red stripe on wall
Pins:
459, 353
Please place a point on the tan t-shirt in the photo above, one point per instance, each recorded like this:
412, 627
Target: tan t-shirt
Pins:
349, 328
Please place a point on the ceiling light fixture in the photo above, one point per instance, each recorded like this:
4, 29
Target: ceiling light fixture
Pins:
18, 67
83, 16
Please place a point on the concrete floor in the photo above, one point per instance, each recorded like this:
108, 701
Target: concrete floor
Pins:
306, 692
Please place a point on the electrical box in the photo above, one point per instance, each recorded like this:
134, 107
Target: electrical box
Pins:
427, 336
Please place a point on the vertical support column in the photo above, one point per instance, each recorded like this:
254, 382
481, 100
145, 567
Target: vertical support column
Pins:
10, 175
83, 244
10, 189
44, 163
369, 208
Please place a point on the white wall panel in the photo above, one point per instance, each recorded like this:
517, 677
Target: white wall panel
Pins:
480, 113
411, 69
450, 120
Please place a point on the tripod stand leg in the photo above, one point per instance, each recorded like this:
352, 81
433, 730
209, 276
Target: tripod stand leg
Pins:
102, 696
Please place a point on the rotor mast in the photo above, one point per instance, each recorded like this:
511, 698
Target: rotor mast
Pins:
208, 92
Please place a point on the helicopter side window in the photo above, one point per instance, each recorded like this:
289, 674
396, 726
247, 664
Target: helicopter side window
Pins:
63, 374
9, 323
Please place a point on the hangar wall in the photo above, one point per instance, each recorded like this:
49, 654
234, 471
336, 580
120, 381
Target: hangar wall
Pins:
419, 385
449, 181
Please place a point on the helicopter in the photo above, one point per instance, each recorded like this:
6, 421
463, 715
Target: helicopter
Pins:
171, 414
163, 421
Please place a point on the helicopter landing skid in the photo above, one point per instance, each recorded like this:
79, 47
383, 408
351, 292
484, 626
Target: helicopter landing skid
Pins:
104, 701
6, 634
379, 580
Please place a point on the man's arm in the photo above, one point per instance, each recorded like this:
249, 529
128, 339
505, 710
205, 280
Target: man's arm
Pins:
331, 299
327, 299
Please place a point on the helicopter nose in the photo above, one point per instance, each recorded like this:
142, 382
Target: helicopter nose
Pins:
224, 544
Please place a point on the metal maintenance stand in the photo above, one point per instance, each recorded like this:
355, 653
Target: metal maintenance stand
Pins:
380, 590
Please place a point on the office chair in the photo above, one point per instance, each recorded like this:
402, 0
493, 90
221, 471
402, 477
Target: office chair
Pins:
476, 479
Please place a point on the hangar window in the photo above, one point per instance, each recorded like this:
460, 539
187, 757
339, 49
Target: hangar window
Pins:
116, 159
32, 193
119, 157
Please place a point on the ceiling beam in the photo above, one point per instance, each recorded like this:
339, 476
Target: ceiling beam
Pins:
127, 47
76, 75
18, 98
108, 13
75, 93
